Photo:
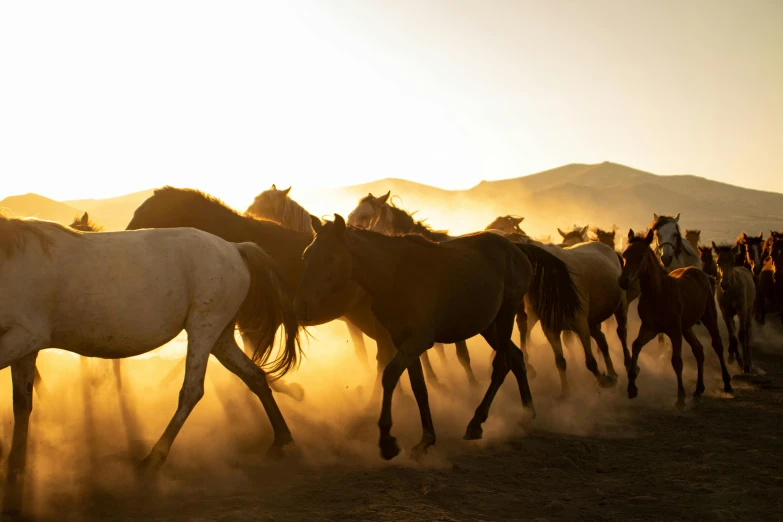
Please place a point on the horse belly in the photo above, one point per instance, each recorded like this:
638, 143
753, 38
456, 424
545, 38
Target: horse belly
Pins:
465, 314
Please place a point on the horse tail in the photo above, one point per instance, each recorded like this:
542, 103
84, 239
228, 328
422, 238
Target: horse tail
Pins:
553, 292
269, 303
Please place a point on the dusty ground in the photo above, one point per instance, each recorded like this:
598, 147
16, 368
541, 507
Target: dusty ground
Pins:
595, 456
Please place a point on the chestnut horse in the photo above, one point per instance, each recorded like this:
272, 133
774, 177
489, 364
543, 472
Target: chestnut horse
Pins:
671, 303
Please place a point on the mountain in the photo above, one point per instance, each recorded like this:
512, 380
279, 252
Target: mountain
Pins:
33, 205
603, 195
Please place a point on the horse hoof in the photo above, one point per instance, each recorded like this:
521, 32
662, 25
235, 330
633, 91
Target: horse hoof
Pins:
680, 404
607, 381
419, 451
474, 431
633, 391
151, 464
697, 396
389, 447
727, 388
275, 452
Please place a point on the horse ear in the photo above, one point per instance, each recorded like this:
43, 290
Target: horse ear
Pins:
85, 219
339, 224
744, 236
655, 216
562, 233
649, 238
612, 234
677, 218
584, 230
286, 191
761, 235
630, 234
274, 187
714, 246
517, 221
316, 223
383, 198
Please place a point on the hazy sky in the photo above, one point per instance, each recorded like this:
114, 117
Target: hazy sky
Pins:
103, 98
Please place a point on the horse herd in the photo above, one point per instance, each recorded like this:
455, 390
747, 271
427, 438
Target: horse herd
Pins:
187, 261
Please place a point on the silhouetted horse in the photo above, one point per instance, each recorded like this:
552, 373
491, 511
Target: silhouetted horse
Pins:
770, 285
603, 236
671, 303
425, 292
509, 226
736, 295
574, 236
708, 265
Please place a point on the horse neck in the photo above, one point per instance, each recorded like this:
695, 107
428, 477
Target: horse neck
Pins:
375, 258
653, 280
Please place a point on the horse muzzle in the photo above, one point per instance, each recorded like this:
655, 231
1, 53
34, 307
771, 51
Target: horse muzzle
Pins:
666, 260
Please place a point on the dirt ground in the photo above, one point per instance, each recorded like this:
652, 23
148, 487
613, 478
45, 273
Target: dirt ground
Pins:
593, 456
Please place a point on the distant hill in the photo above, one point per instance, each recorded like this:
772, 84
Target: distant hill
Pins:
33, 205
603, 195
599, 195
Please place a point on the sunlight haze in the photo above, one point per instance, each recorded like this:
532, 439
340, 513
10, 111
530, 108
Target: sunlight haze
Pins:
100, 99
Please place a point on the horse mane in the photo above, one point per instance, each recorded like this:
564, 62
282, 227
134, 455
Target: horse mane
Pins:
403, 222
295, 216
14, 233
372, 234
193, 196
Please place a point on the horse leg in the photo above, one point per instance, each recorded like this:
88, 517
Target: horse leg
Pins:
293, 390
621, 316
744, 333
199, 348
391, 376
117, 367
600, 339
22, 377
728, 318
675, 336
234, 360
698, 353
463, 356
646, 334
441, 351
359, 348
583, 331
39, 386
553, 337
710, 320
500, 368
428, 371
419, 388
525, 323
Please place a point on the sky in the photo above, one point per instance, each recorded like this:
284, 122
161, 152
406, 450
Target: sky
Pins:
99, 99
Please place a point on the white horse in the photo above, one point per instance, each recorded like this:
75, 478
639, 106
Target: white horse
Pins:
275, 205
120, 294
672, 249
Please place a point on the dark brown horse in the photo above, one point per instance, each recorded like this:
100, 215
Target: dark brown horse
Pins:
753, 249
770, 286
671, 303
736, 295
603, 236
708, 264
425, 292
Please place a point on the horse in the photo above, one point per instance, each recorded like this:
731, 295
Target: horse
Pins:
736, 295
509, 227
595, 270
425, 292
693, 236
170, 207
381, 215
753, 250
604, 236
277, 206
120, 294
575, 236
671, 303
770, 286
673, 251
708, 264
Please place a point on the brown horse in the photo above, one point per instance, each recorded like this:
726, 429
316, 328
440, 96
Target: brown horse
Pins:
509, 226
753, 248
425, 292
736, 295
671, 303
693, 236
603, 236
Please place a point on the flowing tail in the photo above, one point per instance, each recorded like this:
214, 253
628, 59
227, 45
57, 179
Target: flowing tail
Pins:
553, 293
269, 303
